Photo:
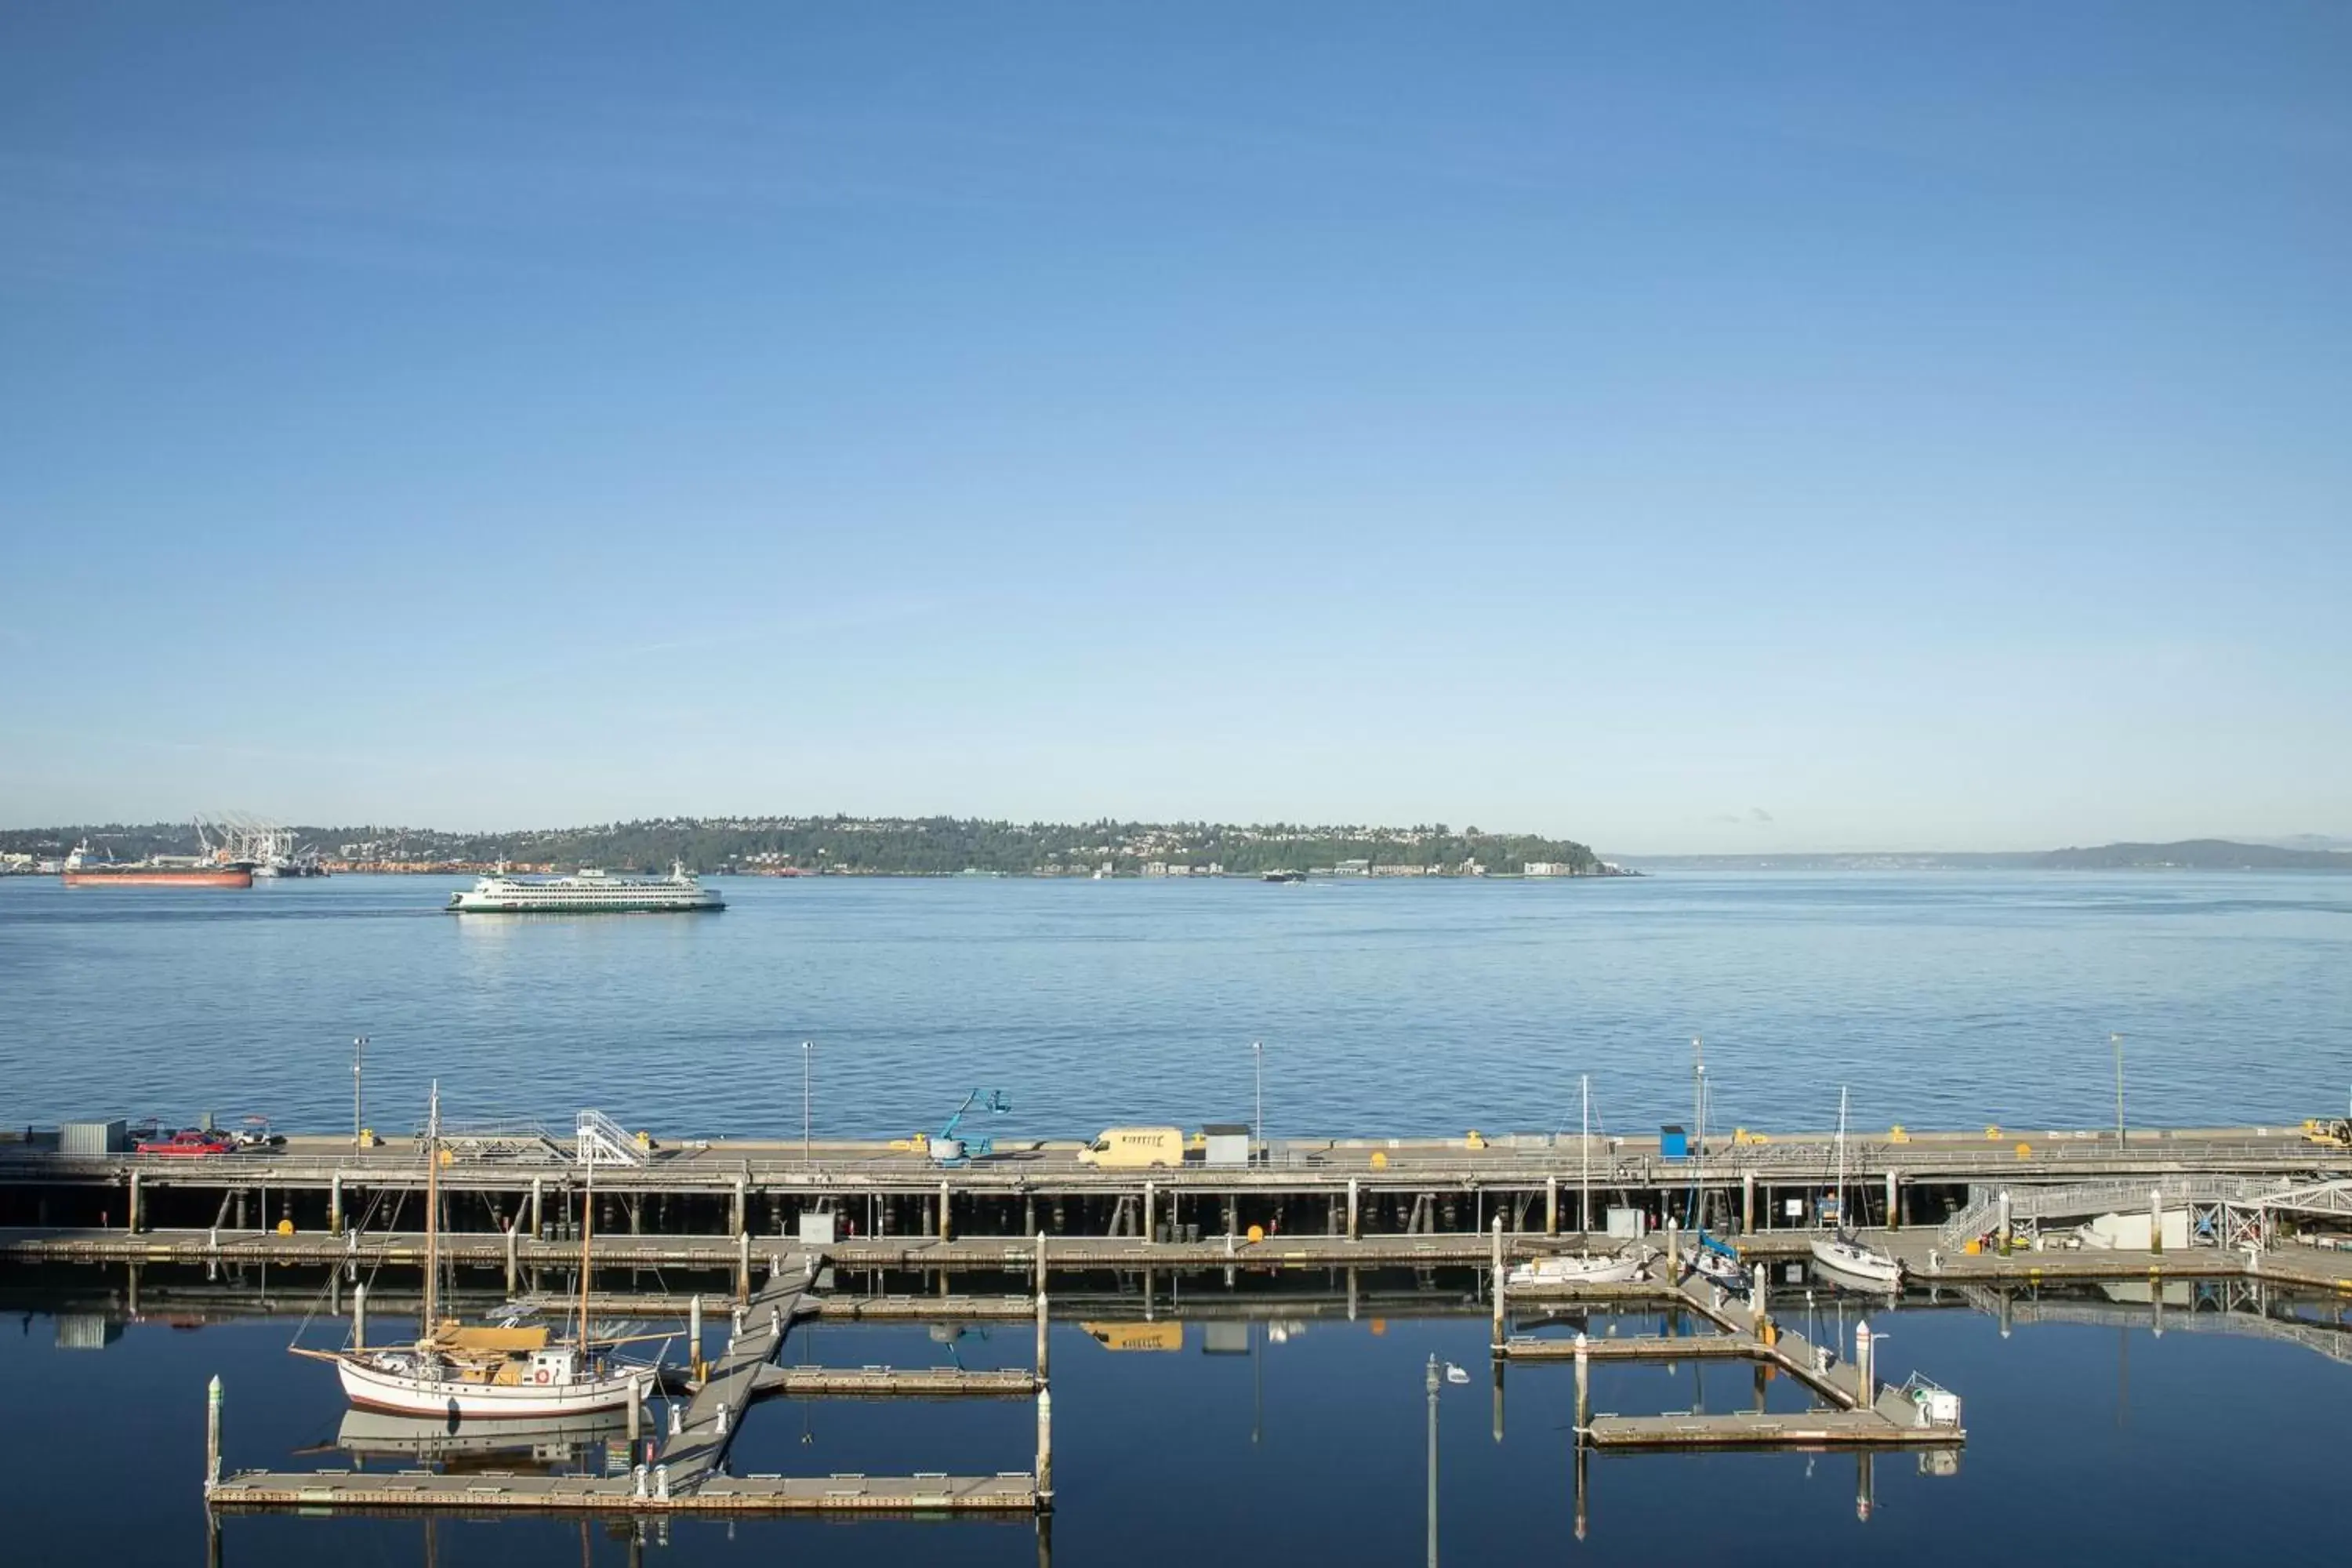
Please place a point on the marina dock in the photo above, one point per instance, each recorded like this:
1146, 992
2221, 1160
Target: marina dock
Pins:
773, 1234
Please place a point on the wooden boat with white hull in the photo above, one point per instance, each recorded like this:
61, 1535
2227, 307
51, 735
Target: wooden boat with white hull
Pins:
509, 1371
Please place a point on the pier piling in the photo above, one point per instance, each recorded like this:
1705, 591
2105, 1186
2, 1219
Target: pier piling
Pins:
1044, 1448
212, 1434
1498, 1284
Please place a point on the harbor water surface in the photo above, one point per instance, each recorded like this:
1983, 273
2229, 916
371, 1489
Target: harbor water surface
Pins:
1947, 999
1944, 999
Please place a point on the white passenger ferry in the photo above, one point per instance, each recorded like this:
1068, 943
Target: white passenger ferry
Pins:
589, 893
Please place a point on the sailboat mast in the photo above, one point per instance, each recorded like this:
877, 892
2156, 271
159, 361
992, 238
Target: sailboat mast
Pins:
433, 1212
1698, 1135
1842, 1225
587, 1230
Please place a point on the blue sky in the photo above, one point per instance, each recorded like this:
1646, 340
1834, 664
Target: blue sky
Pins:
1694, 428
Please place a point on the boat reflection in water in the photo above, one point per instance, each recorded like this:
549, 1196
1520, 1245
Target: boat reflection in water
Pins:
544, 1445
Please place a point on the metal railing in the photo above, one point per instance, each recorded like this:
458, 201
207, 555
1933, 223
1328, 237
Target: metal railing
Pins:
601, 1141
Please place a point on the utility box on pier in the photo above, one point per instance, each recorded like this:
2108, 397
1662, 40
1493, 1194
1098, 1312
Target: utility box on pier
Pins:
1225, 1143
817, 1229
1673, 1143
93, 1138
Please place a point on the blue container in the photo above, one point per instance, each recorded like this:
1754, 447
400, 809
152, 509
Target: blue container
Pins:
1673, 1143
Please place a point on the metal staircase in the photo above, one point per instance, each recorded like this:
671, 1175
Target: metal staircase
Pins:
601, 1141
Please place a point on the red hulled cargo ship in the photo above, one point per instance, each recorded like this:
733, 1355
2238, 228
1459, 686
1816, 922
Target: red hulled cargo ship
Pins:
81, 872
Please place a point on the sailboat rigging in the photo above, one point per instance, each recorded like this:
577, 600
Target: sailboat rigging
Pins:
508, 1370
1843, 1255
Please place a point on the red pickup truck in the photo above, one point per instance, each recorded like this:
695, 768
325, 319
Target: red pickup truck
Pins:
189, 1144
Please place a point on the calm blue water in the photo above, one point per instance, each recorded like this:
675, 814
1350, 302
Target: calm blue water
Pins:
2097, 1444
1948, 999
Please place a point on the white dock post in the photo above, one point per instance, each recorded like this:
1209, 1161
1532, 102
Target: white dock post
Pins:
638, 1481
743, 1265
1499, 1283
1865, 1345
661, 1482
694, 1335
1893, 1202
722, 1418
1044, 1445
359, 1316
944, 1228
131, 1216
1354, 1233
2005, 1228
212, 1434
675, 1424
1583, 1385
636, 1412
1551, 1206
1674, 1258
2156, 1221
536, 1191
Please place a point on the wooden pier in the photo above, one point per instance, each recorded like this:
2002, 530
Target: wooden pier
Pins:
688, 1471
482, 1492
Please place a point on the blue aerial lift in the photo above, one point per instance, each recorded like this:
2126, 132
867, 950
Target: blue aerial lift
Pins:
947, 1149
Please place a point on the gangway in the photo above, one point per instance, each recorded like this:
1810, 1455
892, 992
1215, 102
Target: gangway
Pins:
601, 1141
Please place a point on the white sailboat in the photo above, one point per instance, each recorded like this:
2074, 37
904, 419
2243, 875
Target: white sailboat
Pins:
502, 1372
1710, 1257
1585, 1268
1845, 1256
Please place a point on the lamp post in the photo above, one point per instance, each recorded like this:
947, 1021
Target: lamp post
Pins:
804, 1102
1431, 1383
2117, 1042
1257, 1071
359, 1062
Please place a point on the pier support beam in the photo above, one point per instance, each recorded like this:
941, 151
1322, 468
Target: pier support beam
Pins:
131, 1216
735, 1214
334, 1203
536, 1192
2156, 1222
742, 1265
514, 1239
2006, 1230
1150, 1211
1747, 1202
944, 1225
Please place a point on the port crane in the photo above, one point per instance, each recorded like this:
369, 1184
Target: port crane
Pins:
947, 1148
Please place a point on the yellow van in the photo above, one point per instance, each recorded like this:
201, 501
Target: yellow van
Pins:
1135, 1148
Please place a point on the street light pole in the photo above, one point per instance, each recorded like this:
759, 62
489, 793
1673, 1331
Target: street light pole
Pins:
2118, 1041
1431, 1381
1257, 1071
359, 1061
804, 1102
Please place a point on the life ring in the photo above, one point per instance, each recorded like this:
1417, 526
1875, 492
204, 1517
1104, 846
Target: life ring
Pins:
539, 1376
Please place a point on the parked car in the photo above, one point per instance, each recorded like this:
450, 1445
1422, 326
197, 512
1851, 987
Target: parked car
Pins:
191, 1144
